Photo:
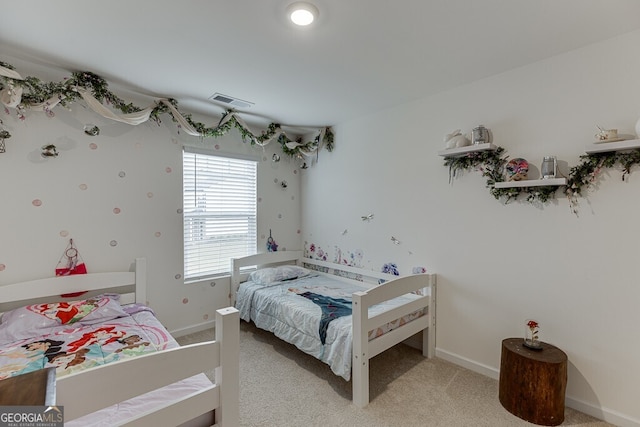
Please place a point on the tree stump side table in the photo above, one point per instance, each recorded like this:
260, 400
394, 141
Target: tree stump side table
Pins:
533, 382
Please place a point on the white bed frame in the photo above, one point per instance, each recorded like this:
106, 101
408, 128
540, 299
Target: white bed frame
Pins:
76, 392
395, 286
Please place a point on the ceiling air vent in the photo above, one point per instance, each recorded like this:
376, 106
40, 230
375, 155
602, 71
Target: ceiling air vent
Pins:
230, 101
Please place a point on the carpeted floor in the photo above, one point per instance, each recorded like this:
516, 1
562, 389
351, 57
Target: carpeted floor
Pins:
280, 386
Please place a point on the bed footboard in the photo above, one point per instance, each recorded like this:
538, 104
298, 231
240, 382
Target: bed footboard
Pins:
364, 349
94, 389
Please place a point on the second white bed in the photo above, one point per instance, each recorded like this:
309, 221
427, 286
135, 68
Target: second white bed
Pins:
299, 320
332, 313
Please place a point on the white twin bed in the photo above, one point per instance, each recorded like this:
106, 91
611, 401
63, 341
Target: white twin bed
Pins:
339, 314
115, 362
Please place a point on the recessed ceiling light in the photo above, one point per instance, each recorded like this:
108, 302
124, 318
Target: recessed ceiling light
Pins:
302, 13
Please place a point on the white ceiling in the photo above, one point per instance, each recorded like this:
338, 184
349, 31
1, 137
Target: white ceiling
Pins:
360, 56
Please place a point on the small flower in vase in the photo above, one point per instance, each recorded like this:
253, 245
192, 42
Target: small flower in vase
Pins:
532, 339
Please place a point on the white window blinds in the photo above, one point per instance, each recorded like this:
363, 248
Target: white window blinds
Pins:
219, 211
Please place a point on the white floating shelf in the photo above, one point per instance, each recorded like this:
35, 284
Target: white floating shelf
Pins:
533, 183
462, 151
604, 147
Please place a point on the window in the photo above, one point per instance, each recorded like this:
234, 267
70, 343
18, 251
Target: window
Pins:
219, 211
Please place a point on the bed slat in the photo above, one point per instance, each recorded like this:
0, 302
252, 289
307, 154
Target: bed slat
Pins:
346, 268
383, 342
56, 285
51, 286
396, 313
397, 287
179, 411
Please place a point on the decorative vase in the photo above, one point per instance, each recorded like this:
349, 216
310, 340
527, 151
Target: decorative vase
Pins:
531, 335
549, 167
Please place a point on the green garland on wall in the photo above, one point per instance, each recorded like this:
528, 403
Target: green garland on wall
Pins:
585, 174
581, 177
38, 92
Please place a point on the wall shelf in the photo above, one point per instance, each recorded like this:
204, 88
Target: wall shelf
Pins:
605, 147
533, 183
462, 151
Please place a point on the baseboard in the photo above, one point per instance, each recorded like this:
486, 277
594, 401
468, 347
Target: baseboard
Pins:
469, 364
193, 328
608, 415
605, 414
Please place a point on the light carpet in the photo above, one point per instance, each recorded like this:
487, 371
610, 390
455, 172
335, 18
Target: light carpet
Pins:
281, 386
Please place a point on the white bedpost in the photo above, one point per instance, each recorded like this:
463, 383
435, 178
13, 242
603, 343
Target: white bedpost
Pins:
141, 280
228, 373
429, 334
360, 359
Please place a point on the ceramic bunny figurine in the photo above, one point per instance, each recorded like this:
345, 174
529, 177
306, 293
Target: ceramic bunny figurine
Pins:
456, 139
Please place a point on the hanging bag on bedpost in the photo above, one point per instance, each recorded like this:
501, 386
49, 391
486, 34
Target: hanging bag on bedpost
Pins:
70, 262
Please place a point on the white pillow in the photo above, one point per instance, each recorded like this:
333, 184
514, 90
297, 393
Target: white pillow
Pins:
278, 274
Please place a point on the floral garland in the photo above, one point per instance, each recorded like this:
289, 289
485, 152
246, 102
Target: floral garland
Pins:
585, 174
581, 177
38, 92
491, 163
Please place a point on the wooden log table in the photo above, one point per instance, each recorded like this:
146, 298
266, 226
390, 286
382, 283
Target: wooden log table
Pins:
533, 382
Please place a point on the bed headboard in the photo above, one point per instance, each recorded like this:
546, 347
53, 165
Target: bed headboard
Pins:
132, 285
259, 260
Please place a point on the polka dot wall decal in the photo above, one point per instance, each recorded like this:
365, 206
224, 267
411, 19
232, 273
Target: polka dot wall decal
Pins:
122, 174
2, 267
299, 231
293, 197
275, 180
295, 171
93, 146
83, 187
157, 234
179, 211
113, 243
174, 141
185, 300
36, 202
138, 145
279, 216
205, 317
149, 194
178, 276
116, 211
217, 146
168, 169
262, 236
64, 233
259, 199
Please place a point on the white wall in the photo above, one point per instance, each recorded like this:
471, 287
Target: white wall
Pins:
80, 189
501, 264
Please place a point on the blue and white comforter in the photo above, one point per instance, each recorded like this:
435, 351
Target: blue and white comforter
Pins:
278, 308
